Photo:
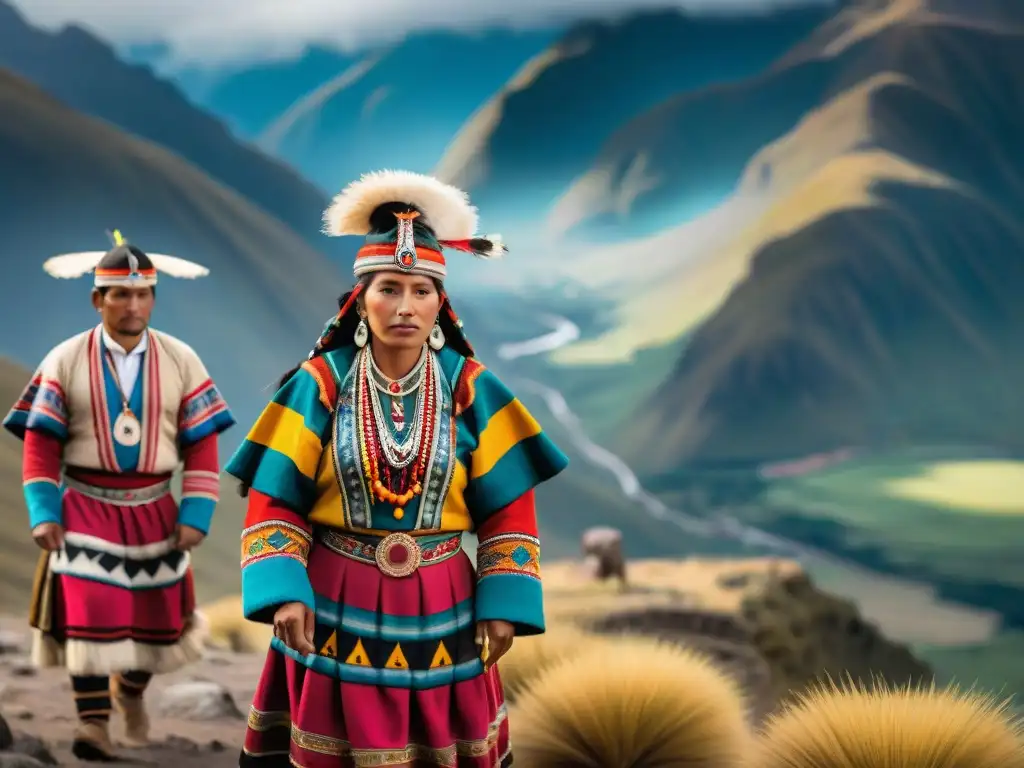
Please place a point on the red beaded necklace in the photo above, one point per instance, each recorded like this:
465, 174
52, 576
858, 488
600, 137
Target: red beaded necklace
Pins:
384, 484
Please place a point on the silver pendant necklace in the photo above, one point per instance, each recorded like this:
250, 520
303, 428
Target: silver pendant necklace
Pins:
399, 454
127, 427
398, 389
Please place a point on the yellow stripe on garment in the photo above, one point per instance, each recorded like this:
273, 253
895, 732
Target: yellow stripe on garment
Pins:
327, 509
455, 514
283, 430
509, 426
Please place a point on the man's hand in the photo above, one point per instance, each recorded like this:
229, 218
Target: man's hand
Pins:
496, 638
188, 537
48, 536
293, 626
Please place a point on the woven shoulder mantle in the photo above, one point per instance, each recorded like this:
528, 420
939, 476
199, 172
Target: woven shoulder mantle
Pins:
464, 389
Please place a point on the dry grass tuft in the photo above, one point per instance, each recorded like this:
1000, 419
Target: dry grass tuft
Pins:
852, 727
229, 630
636, 703
530, 657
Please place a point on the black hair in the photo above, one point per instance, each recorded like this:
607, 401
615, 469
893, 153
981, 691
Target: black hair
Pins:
383, 219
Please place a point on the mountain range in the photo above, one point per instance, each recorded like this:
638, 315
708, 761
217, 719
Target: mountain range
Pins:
842, 258
528, 112
752, 138
546, 127
873, 302
85, 74
785, 236
726, 199
396, 107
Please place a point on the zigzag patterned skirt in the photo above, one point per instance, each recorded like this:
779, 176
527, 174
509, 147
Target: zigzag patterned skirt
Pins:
118, 596
396, 680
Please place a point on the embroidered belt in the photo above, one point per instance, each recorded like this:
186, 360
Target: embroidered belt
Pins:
124, 496
397, 554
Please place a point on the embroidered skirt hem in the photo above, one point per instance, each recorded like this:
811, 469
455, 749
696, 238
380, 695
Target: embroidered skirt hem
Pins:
282, 745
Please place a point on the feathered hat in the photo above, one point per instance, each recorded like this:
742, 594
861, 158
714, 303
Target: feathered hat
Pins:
123, 265
408, 220
427, 216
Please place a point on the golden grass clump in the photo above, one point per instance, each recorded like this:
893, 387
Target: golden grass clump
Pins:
852, 727
229, 629
530, 657
634, 703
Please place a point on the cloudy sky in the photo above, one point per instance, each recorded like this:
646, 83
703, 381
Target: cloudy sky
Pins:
227, 31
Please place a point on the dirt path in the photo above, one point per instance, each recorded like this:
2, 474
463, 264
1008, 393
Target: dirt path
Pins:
38, 703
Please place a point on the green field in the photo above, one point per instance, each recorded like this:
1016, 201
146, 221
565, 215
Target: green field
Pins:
996, 666
956, 539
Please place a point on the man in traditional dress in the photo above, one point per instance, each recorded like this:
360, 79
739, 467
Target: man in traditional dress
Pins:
115, 410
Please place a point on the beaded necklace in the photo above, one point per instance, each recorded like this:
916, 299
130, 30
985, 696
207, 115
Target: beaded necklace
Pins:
394, 479
397, 389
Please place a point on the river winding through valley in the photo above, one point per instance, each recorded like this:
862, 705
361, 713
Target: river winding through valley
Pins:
900, 594
563, 332
909, 611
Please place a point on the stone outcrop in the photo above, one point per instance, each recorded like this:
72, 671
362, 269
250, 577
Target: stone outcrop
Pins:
763, 620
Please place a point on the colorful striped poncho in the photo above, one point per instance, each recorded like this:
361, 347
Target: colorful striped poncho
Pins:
300, 460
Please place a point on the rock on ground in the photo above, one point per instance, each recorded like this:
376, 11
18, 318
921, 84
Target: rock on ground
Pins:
197, 700
179, 740
35, 748
15, 760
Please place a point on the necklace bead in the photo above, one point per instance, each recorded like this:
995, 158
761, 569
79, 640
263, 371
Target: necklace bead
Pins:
376, 445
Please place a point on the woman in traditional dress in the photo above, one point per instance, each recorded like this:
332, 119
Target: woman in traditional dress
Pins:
363, 474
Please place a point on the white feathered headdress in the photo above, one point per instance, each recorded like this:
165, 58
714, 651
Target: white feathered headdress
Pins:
444, 215
123, 265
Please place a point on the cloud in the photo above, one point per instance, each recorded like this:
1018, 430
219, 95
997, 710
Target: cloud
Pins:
213, 32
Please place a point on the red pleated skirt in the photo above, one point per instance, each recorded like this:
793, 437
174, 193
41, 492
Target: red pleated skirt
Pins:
396, 678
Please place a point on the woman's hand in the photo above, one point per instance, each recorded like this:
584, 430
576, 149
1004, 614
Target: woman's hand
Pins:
293, 626
496, 637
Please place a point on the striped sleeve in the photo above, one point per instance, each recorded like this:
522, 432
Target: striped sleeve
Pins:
281, 454
278, 460
203, 411
40, 419
40, 475
275, 552
508, 568
511, 453
42, 405
200, 484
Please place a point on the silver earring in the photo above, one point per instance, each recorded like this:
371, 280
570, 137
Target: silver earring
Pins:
362, 334
436, 339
